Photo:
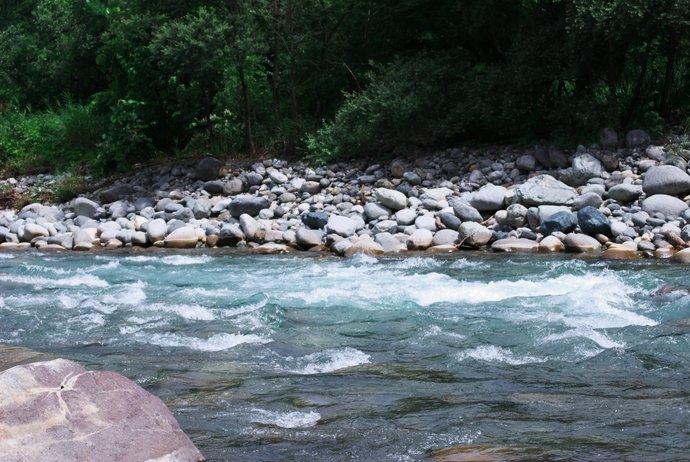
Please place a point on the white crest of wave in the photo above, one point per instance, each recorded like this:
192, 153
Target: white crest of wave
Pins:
193, 312
286, 419
90, 320
493, 353
416, 263
129, 294
217, 342
597, 337
40, 282
330, 361
6, 256
173, 260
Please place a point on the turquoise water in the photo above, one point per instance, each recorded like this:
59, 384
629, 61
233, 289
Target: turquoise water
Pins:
266, 358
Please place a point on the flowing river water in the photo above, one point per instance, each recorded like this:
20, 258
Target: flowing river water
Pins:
303, 358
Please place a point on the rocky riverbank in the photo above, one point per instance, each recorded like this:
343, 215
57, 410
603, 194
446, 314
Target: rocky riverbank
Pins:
622, 202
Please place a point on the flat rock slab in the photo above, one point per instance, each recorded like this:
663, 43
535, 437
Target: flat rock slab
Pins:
59, 411
515, 245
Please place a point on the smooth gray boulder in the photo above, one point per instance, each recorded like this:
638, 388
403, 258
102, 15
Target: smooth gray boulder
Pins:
625, 193
666, 179
374, 211
489, 198
307, 238
583, 168
545, 190
156, 230
420, 239
405, 217
445, 237
184, 237
85, 207
668, 206
32, 231
466, 212
473, 234
251, 205
251, 228
389, 243
392, 199
342, 226
58, 411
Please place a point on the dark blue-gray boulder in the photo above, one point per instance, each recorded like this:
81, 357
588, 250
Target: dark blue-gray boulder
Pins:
315, 220
251, 205
592, 222
563, 222
450, 221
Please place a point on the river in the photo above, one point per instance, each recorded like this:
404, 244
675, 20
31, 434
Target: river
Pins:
265, 358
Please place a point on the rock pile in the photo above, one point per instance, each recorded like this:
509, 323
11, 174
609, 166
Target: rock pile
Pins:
632, 199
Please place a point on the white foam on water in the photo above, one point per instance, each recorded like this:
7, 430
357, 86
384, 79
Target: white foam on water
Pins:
128, 294
415, 263
217, 342
493, 353
244, 309
195, 292
182, 260
6, 256
286, 419
41, 283
91, 320
463, 263
112, 264
68, 301
329, 361
364, 259
601, 339
434, 331
192, 312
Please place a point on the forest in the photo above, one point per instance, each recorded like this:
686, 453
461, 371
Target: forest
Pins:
98, 85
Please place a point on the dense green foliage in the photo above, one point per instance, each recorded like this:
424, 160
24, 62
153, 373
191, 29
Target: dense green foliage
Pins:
105, 83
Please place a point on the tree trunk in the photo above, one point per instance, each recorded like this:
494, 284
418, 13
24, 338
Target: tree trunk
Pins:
665, 100
247, 112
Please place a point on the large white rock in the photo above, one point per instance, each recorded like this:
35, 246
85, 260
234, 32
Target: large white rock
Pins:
342, 226
473, 234
666, 179
182, 238
489, 198
662, 203
545, 190
57, 410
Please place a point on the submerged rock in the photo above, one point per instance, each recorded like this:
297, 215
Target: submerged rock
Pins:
57, 410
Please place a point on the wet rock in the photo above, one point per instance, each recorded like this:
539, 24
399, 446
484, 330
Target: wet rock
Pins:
682, 256
551, 244
593, 222
666, 205
364, 246
272, 248
545, 189
515, 245
666, 179
57, 410
621, 252
581, 243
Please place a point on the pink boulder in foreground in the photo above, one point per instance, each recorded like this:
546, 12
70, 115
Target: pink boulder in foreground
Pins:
58, 411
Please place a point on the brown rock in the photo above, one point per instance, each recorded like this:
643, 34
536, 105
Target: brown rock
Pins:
682, 256
57, 410
581, 243
520, 245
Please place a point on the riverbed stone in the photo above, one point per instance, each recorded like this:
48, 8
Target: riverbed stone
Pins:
473, 234
85, 207
365, 247
32, 231
625, 192
307, 238
465, 212
551, 244
584, 167
593, 222
252, 229
489, 198
545, 190
666, 179
156, 230
184, 237
272, 248
374, 211
251, 205
315, 220
682, 256
389, 243
342, 226
209, 168
637, 138
445, 237
581, 243
668, 206
420, 239
57, 410
563, 222
516, 245
405, 217
391, 199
